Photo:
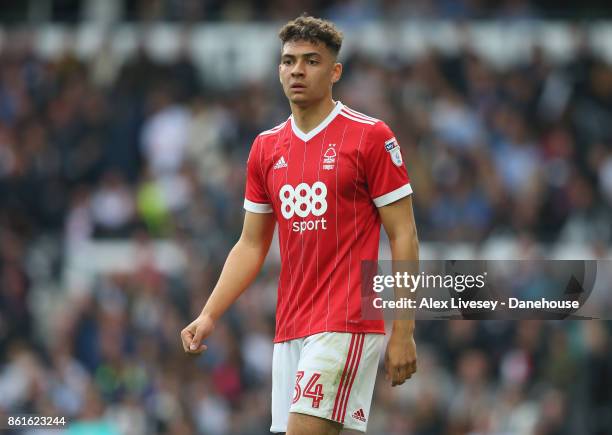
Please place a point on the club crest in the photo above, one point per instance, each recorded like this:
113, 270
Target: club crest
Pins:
329, 158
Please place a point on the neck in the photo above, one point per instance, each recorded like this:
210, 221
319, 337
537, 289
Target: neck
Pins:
308, 117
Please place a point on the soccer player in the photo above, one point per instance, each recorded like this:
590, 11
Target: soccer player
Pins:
329, 176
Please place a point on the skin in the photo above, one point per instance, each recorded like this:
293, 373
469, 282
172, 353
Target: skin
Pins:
314, 67
400, 356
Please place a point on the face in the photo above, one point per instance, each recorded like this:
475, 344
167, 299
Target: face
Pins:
307, 72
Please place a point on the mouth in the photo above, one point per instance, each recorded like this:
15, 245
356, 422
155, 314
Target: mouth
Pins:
298, 86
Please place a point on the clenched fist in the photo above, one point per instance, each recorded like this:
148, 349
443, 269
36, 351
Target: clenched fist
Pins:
195, 332
400, 358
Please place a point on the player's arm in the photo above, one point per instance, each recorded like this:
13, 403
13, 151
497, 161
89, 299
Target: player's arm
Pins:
241, 267
398, 221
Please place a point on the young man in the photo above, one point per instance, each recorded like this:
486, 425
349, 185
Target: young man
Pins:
329, 176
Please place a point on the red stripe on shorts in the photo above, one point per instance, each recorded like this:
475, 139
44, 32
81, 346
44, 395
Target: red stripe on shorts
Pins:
352, 376
344, 376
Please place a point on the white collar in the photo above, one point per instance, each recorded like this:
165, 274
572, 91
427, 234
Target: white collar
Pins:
312, 133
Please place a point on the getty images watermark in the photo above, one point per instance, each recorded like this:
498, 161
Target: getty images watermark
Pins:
509, 290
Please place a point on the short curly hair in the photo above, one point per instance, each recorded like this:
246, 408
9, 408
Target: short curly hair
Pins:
311, 29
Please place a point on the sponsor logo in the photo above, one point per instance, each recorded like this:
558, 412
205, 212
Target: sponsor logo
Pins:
390, 144
394, 150
303, 201
359, 415
281, 163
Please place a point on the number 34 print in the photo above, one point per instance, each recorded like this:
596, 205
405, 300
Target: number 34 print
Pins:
312, 391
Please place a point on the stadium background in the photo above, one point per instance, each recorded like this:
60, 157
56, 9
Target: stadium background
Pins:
124, 130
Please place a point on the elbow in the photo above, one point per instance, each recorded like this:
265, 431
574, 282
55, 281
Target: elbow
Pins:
413, 244
256, 250
406, 242
415, 248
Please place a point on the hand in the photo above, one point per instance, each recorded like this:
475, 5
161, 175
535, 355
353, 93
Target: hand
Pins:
400, 357
195, 332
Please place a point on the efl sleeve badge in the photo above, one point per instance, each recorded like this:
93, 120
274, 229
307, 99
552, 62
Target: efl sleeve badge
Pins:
394, 151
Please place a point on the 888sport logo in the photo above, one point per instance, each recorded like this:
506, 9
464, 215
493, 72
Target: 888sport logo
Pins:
303, 201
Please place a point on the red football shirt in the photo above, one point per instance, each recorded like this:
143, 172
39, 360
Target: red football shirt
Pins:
324, 188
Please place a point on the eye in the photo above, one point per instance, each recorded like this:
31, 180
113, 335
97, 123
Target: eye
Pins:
313, 62
287, 62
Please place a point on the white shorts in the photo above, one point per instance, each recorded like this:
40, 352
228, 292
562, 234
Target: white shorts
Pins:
329, 375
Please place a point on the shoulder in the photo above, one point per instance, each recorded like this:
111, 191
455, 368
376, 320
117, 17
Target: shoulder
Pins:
267, 136
273, 132
376, 129
373, 126
267, 140
357, 117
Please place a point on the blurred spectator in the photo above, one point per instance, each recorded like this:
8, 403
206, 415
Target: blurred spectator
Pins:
112, 206
164, 134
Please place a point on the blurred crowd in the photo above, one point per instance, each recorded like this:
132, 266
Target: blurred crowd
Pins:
348, 11
104, 150
110, 361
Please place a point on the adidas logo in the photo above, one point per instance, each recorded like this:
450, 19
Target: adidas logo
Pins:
359, 415
281, 163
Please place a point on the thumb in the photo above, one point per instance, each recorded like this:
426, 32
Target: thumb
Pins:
197, 339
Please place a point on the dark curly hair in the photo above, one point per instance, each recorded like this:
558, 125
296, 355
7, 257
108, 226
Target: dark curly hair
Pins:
311, 29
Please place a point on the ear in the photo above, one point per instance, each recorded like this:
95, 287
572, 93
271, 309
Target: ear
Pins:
336, 72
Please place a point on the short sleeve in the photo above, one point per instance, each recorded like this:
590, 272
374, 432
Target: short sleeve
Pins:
385, 172
256, 199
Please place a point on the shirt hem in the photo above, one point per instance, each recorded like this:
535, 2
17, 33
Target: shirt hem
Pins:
318, 331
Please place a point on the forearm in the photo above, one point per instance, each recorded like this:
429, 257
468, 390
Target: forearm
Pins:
240, 269
405, 255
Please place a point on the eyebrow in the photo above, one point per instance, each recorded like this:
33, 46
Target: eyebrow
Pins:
310, 54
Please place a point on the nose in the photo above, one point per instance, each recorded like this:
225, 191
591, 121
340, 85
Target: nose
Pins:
298, 69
